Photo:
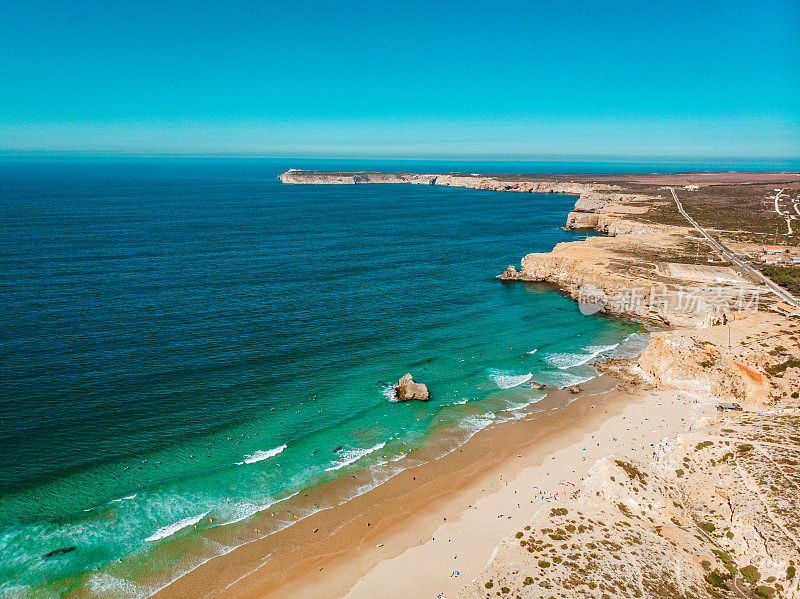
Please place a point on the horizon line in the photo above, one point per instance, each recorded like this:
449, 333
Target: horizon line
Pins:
555, 157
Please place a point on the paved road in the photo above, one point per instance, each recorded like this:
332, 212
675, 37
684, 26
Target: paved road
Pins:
754, 274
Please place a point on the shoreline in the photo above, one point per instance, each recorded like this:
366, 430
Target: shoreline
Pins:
390, 540
303, 567
407, 500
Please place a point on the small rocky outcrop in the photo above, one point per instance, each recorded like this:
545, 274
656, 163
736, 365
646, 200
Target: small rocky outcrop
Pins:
408, 389
510, 274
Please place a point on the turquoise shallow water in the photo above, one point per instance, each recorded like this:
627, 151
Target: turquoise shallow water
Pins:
193, 340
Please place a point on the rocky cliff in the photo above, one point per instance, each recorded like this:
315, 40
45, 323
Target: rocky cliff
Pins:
714, 513
599, 192
745, 360
617, 275
299, 177
598, 207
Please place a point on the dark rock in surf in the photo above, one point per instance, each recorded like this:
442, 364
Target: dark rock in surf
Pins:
60, 551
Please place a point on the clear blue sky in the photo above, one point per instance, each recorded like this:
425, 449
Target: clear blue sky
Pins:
421, 78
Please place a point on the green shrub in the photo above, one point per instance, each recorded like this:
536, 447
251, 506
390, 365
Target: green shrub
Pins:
708, 527
632, 471
750, 574
790, 572
722, 556
717, 579
786, 277
765, 592
778, 368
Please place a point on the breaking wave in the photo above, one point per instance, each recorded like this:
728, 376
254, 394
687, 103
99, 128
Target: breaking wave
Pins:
506, 380
353, 455
570, 360
261, 455
168, 531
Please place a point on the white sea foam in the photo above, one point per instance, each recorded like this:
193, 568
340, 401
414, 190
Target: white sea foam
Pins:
533, 351
633, 345
570, 360
521, 405
124, 498
245, 509
106, 585
261, 455
388, 392
506, 380
460, 402
168, 531
473, 425
561, 379
348, 457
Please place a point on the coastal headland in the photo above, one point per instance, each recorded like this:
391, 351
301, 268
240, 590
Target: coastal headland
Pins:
675, 474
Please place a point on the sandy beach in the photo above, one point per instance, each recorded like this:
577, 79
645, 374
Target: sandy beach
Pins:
552, 472
450, 524
443, 519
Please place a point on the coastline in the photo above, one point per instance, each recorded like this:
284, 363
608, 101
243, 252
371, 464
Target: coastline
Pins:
403, 510
408, 520
237, 569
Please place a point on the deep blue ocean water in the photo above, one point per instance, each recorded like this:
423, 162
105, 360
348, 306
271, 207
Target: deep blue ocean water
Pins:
188, 339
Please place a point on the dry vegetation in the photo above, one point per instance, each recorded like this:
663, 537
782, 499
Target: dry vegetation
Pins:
715, 516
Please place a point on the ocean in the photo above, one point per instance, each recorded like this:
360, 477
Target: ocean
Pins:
189, 340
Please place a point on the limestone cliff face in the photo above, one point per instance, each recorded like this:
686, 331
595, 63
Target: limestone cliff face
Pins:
595, 193
606, 216
599, 206
725, 361
592, 203
298, 177
597, 271
614, 226
678, 362
582, 220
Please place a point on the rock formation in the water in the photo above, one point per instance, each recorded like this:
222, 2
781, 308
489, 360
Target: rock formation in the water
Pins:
408, 389
510, 273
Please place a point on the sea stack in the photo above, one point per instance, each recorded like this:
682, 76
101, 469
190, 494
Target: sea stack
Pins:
408, 389
510, 274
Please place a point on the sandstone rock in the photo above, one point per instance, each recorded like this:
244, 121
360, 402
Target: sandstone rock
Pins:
575, 389
510, 274
624, 209
588, 203
582, 220
408, 389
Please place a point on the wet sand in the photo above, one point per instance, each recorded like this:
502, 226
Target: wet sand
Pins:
375, 537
